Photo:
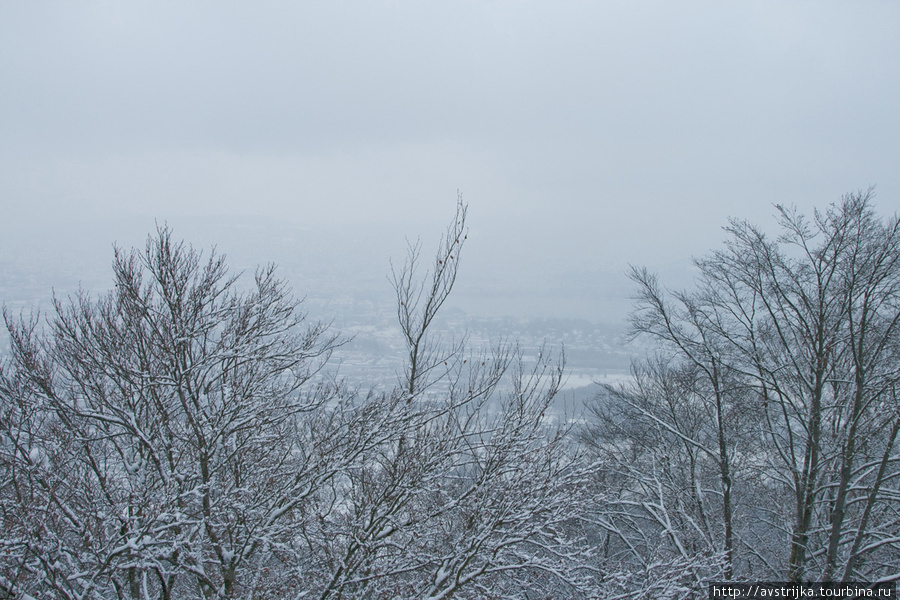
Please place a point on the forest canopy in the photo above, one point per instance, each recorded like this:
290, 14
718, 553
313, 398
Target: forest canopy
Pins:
184, 435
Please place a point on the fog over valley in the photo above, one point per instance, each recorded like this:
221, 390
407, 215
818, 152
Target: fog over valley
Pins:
506, 299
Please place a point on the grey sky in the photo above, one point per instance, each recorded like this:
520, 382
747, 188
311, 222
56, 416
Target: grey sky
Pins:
584, 134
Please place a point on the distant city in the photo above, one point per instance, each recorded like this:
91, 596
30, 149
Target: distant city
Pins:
349, 288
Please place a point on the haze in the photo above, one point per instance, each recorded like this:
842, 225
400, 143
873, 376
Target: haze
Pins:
584, 136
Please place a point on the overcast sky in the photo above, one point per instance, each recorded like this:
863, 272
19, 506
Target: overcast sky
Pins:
584, 135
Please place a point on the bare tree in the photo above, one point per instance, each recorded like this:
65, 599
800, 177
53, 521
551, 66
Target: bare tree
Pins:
476, 494
691, 328
795, 343
167, 437
179, 438
817, 337
664, 508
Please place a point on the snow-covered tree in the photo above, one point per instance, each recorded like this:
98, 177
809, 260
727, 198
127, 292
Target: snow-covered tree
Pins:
180, 438
768, 430
477, 494
172, 438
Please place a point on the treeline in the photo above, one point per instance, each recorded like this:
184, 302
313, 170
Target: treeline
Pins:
759, 443
181, 438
